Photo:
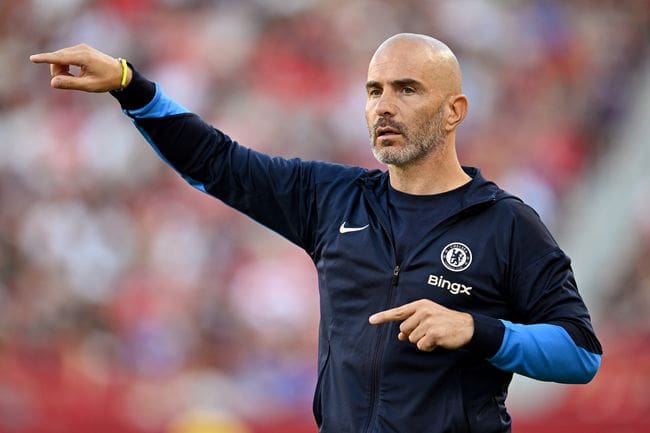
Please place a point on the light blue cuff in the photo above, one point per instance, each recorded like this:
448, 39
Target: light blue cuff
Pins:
160, 106
545, 352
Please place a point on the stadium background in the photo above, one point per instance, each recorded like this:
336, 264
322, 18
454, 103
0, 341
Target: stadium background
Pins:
130, 302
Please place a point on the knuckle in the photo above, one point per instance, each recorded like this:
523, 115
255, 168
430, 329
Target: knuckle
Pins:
429, 321
423, 314
424, 345
434, 334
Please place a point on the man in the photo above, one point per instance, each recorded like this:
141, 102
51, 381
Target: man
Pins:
435, 285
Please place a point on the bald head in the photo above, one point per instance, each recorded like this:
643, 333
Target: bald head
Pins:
423, 52
414, 102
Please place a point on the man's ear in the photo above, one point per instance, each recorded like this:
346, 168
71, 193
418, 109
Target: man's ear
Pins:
457, 107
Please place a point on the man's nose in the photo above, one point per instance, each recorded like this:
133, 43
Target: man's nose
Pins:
386, 105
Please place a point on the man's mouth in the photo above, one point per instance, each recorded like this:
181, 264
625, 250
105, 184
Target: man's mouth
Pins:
386, 131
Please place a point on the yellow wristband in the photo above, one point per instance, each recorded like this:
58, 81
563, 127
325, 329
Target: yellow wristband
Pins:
125, 69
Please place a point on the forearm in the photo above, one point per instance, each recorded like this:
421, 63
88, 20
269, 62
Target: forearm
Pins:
176, 134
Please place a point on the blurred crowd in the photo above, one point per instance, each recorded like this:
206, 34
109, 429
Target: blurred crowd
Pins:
125, 286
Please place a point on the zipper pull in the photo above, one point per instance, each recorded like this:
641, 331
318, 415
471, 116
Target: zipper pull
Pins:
395, 278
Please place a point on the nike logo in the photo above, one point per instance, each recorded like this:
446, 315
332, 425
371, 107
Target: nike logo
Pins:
344, 229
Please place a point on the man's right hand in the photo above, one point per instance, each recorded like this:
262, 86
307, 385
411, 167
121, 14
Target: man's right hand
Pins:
99, 72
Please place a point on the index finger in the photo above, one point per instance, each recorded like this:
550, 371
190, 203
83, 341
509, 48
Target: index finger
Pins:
60, 57
397, 313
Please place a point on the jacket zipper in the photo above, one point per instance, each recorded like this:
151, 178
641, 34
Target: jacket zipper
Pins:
375, 366
381, 341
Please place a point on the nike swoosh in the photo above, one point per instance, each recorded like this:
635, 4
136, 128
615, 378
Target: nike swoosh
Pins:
344, 229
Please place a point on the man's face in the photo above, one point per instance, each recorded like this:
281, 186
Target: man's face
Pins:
404, 110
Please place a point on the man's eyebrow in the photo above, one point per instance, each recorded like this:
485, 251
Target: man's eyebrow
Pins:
402, 82
406, 82
372, 84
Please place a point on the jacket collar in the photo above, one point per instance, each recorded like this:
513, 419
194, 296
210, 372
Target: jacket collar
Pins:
480, 190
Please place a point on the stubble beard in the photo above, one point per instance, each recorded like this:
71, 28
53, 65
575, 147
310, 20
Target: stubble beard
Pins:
420, 141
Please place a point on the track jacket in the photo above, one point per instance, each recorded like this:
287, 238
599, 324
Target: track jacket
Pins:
493, 259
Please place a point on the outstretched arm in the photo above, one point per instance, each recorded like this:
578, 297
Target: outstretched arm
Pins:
276, 192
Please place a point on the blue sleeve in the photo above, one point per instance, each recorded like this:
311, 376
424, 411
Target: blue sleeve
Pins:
545, 352
547, 333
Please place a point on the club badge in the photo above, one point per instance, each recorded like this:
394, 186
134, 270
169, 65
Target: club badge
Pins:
456, 257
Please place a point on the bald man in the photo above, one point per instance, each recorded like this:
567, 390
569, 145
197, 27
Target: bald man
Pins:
435, 285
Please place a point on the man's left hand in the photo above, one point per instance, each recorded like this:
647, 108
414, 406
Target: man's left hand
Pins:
429, 325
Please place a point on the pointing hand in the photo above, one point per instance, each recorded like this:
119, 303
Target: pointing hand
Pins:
429, 325
99, 72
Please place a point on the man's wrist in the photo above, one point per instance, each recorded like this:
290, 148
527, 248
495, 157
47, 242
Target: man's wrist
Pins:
128, 78
487, 335
137, 92
468, 327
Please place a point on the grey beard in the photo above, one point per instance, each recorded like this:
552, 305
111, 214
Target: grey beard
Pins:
424, 141
409, 153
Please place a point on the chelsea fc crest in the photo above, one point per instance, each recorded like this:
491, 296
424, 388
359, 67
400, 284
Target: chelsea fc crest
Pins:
456, 257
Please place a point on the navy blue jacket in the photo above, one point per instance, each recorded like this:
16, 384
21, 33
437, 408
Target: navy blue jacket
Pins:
493, 259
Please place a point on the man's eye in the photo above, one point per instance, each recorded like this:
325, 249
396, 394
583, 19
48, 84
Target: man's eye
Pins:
408, 90
374, 92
